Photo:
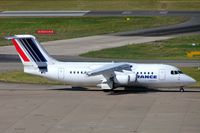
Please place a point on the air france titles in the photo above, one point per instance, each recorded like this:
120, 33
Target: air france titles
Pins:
147, 76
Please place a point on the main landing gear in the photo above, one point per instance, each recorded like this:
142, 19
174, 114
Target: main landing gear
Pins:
107, 90
182, 89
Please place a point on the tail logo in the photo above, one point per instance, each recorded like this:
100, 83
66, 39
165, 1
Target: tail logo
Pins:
28, 50
20, 51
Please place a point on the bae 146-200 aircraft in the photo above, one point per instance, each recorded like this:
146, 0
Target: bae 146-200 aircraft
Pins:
106, 75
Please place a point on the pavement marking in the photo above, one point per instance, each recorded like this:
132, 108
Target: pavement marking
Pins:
42, 13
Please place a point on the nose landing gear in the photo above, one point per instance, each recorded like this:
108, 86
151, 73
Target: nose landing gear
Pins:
182, 89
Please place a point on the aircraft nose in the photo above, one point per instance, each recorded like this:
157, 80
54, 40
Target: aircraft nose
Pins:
190, 80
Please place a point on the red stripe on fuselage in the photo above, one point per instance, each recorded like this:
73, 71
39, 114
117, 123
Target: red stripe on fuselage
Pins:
20, 51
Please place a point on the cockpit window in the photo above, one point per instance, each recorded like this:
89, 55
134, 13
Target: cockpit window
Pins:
180, 72
176, 72
173, 72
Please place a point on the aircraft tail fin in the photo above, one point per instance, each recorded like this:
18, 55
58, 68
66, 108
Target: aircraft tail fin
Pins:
31, 53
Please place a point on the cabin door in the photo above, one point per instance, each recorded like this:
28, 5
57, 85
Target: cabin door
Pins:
162, 74
61, 73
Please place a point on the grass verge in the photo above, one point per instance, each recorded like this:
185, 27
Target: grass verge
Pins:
21, 77
99, 5
175, 48
72, 27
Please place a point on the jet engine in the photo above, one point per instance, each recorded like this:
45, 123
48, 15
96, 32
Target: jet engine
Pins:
125, 79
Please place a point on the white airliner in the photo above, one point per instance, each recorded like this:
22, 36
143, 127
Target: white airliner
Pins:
106, 75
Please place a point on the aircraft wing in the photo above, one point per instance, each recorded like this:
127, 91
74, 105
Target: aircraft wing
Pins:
110, 68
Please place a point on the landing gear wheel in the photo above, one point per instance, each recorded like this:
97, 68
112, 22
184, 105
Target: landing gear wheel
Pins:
181, 89
107, 90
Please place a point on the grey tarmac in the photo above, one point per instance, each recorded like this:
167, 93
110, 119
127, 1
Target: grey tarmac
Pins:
98, 13
76, 46
63, 109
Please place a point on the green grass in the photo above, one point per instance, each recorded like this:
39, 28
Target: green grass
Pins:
169, 49
21, 77
72, 27
99, 5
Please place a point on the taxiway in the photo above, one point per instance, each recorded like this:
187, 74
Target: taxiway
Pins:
62, 109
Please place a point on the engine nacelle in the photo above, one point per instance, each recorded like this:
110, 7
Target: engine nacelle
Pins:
125, 79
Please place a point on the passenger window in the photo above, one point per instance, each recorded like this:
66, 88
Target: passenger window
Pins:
140, 72
144, 72
148, 72
70, 72
176, 72
151, 72
74, 72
